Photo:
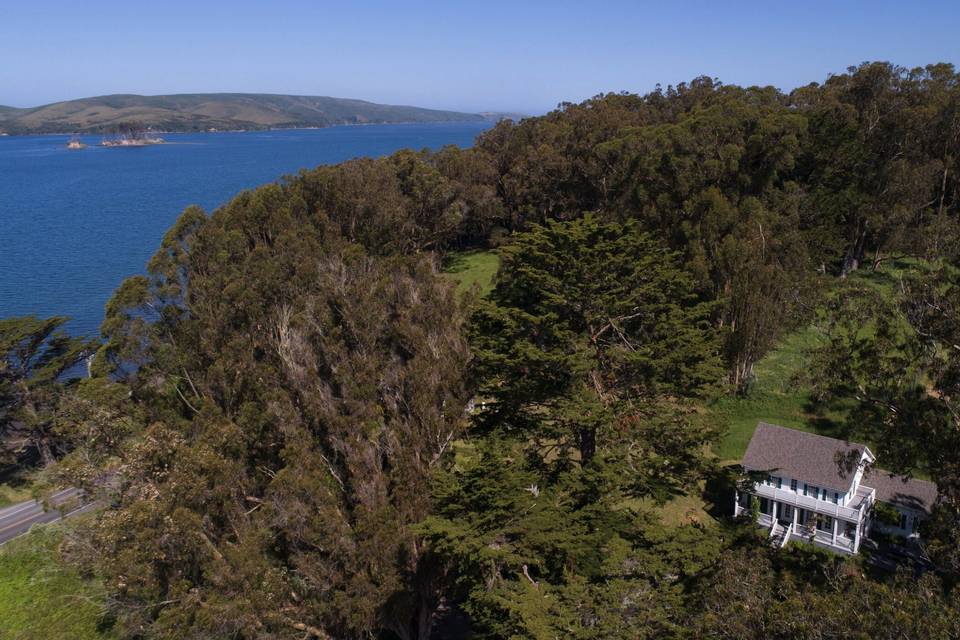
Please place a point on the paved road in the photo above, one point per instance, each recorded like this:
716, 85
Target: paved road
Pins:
18, 519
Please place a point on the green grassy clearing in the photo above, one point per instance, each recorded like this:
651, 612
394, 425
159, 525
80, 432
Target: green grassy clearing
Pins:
39, 599
471, 268
774, 397
778, 395
684, 510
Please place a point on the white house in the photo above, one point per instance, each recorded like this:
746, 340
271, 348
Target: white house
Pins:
824, 490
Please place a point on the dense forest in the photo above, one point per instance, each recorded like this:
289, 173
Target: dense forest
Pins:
298, 428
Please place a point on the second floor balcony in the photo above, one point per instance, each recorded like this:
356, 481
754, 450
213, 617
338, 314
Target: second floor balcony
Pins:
851, 512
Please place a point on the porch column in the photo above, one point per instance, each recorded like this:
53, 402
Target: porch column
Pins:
856, 538
736, 503
796, 517
835, 523
773, 522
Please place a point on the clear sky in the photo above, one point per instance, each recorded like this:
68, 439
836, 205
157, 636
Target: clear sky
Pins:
472, 56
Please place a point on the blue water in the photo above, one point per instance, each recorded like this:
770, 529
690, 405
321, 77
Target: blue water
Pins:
74, 224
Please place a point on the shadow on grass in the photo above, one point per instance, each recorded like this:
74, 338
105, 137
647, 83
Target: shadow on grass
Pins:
458, 262
719, 491
469, 269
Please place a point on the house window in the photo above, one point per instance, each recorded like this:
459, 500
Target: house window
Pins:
779, 483
836, 498
903, 521
806, 489
793, 486
916, 523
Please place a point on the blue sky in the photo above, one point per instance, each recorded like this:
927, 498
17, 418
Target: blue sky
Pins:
478, 55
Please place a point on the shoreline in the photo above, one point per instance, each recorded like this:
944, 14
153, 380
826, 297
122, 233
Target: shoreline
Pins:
305, 128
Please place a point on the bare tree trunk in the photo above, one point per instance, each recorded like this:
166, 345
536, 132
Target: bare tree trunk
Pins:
46, 454
425, 616
587, 438
851, 261
943, 188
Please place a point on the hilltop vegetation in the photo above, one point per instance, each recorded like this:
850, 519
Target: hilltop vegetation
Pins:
204, 111
313, 434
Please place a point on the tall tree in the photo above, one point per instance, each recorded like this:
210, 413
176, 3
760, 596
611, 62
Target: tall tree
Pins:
590, 322
294, 395
36, 355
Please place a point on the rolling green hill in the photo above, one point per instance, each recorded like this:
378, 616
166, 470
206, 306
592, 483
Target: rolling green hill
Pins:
204, 111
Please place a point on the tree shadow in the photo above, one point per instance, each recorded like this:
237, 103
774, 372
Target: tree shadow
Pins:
719, 490
17, 476
828, 416
457, 262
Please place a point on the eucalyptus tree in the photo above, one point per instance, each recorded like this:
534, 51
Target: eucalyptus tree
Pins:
38, 362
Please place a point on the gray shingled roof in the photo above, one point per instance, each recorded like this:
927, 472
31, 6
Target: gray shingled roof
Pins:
798, 454
918, 495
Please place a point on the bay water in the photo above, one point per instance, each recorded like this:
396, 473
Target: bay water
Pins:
75, 223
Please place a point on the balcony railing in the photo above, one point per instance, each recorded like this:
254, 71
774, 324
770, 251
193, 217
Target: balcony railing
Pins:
850, 513
825, 538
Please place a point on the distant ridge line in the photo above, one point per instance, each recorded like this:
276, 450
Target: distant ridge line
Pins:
185, 112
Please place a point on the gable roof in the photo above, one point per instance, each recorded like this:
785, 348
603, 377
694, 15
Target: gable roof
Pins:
807, 457
899, 491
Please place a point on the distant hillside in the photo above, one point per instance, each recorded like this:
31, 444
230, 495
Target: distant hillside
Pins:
497, 116
203, 111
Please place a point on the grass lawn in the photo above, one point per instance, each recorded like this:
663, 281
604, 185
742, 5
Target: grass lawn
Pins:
469, 268
684, 510
775, 395
41, 600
